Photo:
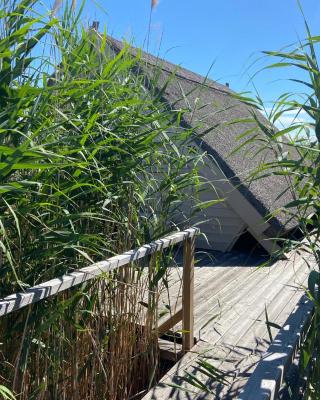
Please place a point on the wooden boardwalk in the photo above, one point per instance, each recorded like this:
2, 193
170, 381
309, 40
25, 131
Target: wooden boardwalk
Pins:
231, 298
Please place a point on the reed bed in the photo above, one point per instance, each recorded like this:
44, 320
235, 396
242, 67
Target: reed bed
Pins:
91, 164
96, 341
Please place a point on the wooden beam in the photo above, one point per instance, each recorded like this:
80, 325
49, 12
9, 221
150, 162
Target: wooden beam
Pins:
57, 285
270, 245
170, 322
188, 294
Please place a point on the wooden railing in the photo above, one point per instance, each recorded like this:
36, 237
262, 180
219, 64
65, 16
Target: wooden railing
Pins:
50, 288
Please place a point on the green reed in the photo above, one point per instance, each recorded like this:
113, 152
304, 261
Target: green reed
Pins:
91, 164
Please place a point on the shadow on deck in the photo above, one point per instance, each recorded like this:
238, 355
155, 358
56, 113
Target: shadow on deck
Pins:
233, 299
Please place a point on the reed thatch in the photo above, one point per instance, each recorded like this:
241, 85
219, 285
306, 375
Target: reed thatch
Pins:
214, 109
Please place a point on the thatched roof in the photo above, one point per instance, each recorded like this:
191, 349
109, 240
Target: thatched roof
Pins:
215, 106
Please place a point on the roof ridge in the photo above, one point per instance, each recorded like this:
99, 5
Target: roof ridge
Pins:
212, 86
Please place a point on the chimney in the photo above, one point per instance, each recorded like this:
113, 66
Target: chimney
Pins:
95, 25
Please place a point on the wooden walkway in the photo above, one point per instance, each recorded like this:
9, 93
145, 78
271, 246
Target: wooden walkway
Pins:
231, 299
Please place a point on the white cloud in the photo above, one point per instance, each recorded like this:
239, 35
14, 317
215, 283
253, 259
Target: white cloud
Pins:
288, 118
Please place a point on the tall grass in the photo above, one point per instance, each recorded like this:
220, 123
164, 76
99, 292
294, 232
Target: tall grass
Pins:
91, 164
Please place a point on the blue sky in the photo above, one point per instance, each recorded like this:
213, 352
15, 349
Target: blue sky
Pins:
230, 34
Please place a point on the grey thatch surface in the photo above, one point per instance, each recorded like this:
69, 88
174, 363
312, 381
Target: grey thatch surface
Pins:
213, 105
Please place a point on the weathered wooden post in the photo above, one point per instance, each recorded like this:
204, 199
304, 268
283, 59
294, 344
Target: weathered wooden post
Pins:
187, 294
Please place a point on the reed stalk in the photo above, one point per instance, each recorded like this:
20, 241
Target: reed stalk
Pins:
84, 156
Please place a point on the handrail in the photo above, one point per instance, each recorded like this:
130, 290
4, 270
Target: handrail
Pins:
47, 289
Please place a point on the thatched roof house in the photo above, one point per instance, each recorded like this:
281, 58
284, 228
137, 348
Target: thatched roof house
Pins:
247, 203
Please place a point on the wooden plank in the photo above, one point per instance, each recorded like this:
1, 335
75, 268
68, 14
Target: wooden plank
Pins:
227, 301
217, 277
245, 298
170, 322
279, 307
266, 379
213, 344
224, 285
230, 297
255, 351
187, 362
173, 295
188, 295
208, 281
248, 308
243, 349
254, 342
170, 351
57, 285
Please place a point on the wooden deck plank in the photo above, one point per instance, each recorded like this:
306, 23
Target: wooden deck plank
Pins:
175, 294
219, 284
240, 297
265, 381
237, 340
215, 278
235, 300
253, 311
218, 348
247, 366
220, 275
256, 340
241, 347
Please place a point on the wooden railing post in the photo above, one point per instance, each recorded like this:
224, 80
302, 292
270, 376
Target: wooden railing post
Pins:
187, 294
